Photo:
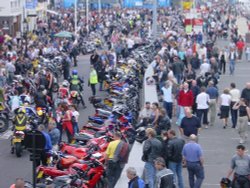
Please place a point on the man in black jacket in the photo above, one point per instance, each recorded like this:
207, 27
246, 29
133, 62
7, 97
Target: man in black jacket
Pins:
245, 94
175, 146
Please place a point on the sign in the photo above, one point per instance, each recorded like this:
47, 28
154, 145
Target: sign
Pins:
187, 5
31, 4
68, 3
188, 29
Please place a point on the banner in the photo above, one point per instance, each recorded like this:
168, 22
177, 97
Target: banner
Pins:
187, 5
188, 29
68, 3
31, 4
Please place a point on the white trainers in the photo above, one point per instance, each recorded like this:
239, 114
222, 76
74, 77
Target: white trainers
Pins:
248, 123
242, 141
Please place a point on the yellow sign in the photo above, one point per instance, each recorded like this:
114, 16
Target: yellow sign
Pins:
187, 5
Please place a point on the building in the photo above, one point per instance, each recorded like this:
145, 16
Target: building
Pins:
11, 12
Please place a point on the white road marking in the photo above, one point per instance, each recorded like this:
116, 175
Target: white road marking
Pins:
6, 135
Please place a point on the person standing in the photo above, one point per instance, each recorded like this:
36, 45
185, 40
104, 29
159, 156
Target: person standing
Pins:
235, 97
67, 122
240, 165
190, 124
232, 59
223, 58
54, 134
224, 103
245, 94
134, 180
203, 101
164, 176
213, 95
244, 113
168, 98
93, 79
185, 99
152, 149
175, 146
113, 167
240, 47
193, 158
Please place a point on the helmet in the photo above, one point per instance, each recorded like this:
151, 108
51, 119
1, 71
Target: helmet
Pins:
65, 83
42, 87
21, 111
74, 72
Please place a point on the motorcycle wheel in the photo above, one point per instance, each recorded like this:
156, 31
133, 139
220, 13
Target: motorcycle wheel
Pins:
55, 87
4, 125
18, 148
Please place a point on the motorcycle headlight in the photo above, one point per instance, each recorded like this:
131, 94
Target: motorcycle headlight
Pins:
39, 112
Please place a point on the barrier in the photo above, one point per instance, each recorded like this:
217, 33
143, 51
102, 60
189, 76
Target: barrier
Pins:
150, 95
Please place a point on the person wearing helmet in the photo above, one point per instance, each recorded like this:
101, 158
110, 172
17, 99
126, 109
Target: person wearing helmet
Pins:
20, 120
64, 90
76, 85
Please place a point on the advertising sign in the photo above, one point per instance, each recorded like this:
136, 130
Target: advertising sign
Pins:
68, 3
31, 4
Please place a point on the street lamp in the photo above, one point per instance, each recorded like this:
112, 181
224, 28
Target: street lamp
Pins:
25, 35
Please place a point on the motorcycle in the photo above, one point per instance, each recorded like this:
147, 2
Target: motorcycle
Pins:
76, 98
17, 143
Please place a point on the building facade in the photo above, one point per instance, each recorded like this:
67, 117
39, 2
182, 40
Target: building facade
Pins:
11, 12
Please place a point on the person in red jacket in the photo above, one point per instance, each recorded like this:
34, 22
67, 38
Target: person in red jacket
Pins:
185, 98
240, 47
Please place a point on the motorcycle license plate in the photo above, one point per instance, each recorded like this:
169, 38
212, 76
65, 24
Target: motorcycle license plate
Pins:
40, 174
17, 140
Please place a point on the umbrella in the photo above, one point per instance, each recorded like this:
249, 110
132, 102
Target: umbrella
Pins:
64, 34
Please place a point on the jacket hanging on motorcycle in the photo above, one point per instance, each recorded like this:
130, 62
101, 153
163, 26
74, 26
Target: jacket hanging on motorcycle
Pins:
20, 122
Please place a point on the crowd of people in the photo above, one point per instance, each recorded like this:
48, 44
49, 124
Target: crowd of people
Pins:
187, 71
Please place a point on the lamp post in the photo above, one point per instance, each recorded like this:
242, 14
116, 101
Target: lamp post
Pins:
75, 17
87, 15
25, 35
154, 27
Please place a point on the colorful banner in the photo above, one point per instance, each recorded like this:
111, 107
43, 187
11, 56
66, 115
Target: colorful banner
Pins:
31, 4
187, 5
188, 29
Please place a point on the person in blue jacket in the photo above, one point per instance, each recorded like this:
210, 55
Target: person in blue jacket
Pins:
135, 181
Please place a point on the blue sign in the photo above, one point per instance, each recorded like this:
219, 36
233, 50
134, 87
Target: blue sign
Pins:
31, 4
68, 3
133, 3
145, 3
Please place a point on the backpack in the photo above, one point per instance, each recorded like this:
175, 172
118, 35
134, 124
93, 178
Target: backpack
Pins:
121, 152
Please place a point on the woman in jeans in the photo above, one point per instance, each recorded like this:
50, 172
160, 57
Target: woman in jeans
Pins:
225, 100
244, 113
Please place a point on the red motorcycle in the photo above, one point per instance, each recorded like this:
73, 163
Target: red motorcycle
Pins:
92, 171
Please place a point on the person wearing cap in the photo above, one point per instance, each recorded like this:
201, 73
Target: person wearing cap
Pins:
134, 180
152, 149
164, 176
193, 158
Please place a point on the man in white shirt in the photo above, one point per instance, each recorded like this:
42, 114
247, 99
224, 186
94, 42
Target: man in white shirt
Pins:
205, 67
168, 98
235, 97
202, 101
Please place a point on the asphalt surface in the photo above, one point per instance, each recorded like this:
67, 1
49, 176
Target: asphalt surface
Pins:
13, 167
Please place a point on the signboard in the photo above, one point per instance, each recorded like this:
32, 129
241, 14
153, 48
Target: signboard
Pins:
31, 4
68, 3
188, 29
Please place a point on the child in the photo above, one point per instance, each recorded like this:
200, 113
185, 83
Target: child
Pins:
75, 117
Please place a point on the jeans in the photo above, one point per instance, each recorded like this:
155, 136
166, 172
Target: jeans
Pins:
150, 173
234, 115
113, 173
169, 108
202, 114
76, 128
232, 67
177, 170
195, 170
178, 77
242, 128
93, 89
